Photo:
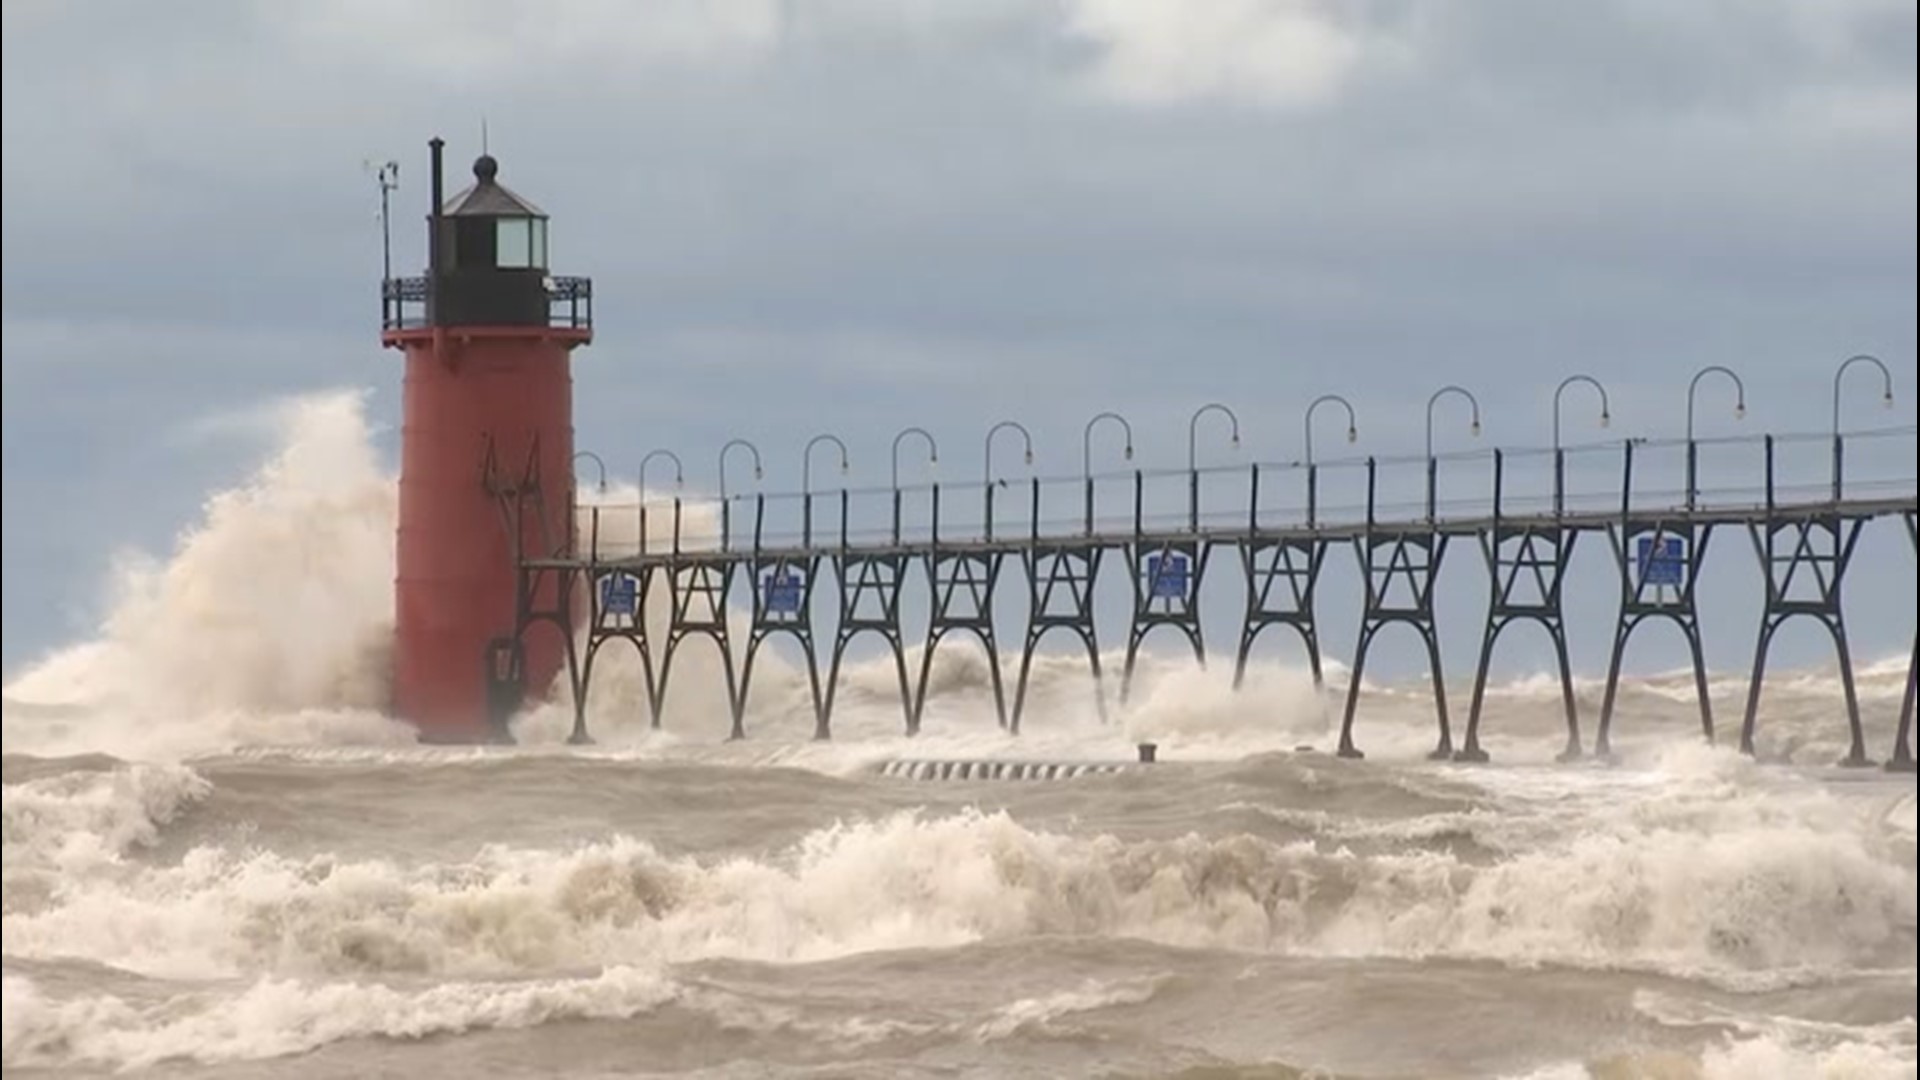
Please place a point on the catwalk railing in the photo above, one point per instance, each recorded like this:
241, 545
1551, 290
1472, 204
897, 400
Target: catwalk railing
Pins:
823, 567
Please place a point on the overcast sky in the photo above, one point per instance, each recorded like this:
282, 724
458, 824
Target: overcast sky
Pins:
850, 215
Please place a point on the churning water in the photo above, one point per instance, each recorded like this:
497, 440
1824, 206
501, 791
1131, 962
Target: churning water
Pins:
221, 861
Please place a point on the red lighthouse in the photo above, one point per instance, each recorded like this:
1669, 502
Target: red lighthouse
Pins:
488, 335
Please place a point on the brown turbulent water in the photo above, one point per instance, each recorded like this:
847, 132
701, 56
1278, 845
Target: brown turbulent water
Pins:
679, 907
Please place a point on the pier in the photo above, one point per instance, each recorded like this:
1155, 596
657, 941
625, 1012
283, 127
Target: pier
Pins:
823, 567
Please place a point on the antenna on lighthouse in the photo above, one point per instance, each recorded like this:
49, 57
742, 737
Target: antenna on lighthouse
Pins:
387, 175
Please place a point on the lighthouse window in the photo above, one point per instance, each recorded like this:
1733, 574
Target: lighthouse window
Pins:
515, 243
540, 243
473, 243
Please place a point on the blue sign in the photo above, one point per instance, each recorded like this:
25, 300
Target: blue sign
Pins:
620, 594
1665, 566
1167, 578
783, 592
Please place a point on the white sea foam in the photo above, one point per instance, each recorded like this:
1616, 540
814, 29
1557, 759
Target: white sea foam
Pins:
75, 821
270, 621
1745, 1058
1759, 903
1042, 1014
276, 1017
1764, 1045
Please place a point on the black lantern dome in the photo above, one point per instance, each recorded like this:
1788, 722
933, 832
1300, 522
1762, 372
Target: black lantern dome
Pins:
494, 252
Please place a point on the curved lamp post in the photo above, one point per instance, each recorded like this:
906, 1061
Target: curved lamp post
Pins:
726, 508
987, 474
1086, 455
933, 459
1433, 465
1559, 455
933, 450
1886, 399
679, 479
679, 470
806, 482
1193, 456
598, 463
806, 460
1313, 471
1353, 427
573, 515
751, 449
1693, 449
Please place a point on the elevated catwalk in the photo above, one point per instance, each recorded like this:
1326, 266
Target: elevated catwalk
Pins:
679, 575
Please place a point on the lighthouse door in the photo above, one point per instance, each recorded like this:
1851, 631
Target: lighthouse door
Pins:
506, 673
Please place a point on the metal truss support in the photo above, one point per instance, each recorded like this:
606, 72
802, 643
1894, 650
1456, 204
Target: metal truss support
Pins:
1902, 758
1281, 578
616, 611
1166, 592
782, 604
546, 595
869, 603
962, 586
1525, 567
1653, 557
1060, 586
544, 590
1400, 568
699, 589
1805, 560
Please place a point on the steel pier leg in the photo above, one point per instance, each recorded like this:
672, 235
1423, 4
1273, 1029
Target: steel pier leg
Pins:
1347, 749
1472, 751
1572, 751
1700, 680
1902, 759
1767, 627
582, 675
1857, 737
1603, 743
1445, 750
